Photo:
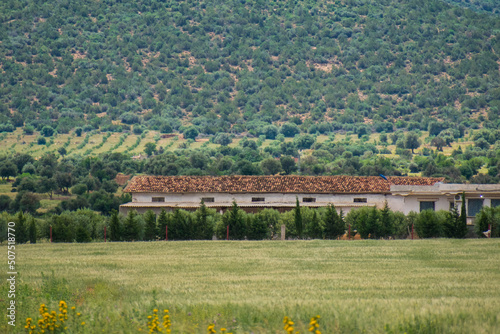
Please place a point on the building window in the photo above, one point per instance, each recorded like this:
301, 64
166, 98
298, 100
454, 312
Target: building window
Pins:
427, 205
208, 199
474, 206
360, 200
258, 199
158, 199
495, 203
309, 199
452, 205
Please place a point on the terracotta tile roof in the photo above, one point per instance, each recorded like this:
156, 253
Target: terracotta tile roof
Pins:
271, 184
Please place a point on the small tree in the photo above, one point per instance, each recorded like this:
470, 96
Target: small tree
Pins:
223, 139
8, 169
270, 166
163, 222
334, 224
257, 229
315, 229
150, 229
26, 201
427, 224
236, 222
150, 149
288, 164
114, 226
131, 227
411, 141
386, 222
82, 234
204, 228
180, 226
298, 218
62, 151
5, 202
190, 133
21, 230
47, 131
46, 185
32, 231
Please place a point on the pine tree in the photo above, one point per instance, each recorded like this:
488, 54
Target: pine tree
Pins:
386, 222
298, 219
114, 227
179, 227
236, 223
374, 225
151, 229
163, 222
131, 227
334, 224
204, 230
32, 231
82, 234
315, 227
21, 230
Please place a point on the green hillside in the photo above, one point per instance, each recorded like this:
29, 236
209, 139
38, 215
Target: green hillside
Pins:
237, 66
408, 87
486, 6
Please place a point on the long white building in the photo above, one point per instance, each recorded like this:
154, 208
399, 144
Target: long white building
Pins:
253, 193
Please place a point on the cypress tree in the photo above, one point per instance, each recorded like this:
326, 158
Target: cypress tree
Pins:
386, 222
32, 231
163, 221
131, 227
315, 230
204, 230
178, 228
334, 224
298, 219
114, 227
151, 229
21, 230
462, 228
82, 234
236, 223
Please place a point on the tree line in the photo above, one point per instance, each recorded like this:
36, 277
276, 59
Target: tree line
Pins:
85, 225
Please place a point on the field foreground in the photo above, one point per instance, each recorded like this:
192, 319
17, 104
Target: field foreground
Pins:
425, 286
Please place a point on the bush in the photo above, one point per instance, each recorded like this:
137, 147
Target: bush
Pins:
5, 202
29, 130
79, 189
7, 127
485, 217
428, 225
47, 131
257, 229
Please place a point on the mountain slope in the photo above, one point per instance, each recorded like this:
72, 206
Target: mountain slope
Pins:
239, 65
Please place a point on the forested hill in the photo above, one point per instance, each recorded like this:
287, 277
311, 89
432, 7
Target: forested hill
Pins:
486, 6
237, 66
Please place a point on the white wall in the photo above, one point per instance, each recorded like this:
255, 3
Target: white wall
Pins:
195, 198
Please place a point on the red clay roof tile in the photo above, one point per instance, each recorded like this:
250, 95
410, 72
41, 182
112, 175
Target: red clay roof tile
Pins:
271, 184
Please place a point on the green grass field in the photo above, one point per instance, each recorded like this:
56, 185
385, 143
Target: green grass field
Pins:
426, 286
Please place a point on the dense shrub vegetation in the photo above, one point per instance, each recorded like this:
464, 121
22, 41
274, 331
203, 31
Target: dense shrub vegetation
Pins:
84, 225
241, 66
